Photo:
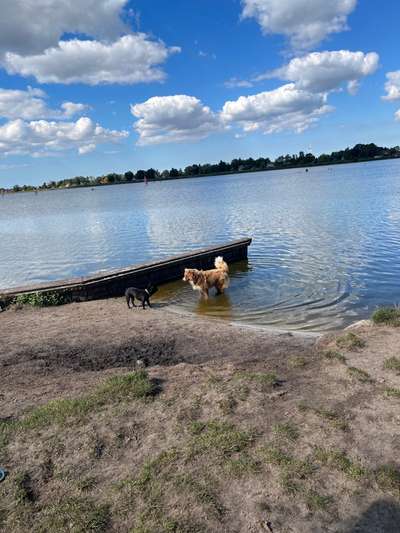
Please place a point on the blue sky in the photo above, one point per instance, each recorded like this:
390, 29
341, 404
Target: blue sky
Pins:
98, 86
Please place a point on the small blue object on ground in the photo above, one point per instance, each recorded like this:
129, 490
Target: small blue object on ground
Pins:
2, 475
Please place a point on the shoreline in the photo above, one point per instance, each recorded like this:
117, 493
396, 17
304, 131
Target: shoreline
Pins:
37, 189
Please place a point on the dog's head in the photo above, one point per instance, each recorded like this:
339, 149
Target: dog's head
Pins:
151, 289
189, 274
193, 276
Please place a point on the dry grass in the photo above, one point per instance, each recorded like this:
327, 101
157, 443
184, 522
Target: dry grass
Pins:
350, 341
392, 363
359, 375
334, 355
132, 456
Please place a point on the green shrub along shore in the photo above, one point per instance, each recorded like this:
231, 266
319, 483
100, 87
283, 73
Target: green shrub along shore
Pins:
359, 152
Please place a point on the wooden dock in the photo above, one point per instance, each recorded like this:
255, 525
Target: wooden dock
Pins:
114, 282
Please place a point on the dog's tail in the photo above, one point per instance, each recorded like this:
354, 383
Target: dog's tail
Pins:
221, 265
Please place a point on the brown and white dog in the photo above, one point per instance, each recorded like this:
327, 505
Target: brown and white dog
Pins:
203, 280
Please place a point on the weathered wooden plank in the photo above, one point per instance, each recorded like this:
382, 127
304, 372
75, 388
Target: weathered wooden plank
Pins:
114, 282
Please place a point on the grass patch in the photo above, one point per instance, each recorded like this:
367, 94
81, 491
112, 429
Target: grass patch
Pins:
393, 363
286, 431
350, 341
40, 299
297, 362
318, 502
392, 392
150, 472
242, 466
388, 479
77, 515
149, 490
292, 470
335, 419
387, 315
24, 492
218, 437
136, 385
360, 375
340, 461
334, 355
201, 491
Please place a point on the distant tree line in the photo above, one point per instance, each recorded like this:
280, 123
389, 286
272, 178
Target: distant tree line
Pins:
360, 152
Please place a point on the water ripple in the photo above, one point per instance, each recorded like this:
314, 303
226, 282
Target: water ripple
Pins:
325, 252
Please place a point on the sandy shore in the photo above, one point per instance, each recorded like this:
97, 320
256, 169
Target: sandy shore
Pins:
55, 350
232, 428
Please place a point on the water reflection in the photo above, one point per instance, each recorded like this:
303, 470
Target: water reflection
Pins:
325, 243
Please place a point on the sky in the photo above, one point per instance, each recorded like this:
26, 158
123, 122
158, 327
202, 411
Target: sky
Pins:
95, 86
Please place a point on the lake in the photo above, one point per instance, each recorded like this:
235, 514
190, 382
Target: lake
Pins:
325, 252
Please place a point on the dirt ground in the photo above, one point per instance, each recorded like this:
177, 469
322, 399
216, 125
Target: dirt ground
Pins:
61, 350
229, 428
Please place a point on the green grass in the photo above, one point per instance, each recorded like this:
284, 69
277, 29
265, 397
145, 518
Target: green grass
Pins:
387, 315
360, 375
136, 385
23, 492
75, 515
219, 438
242, 466
202, 492
388, 479
293, 471
392, 363
334, 355
318, 502
40, 299
391, 392
350, 341
286, 431
338, 460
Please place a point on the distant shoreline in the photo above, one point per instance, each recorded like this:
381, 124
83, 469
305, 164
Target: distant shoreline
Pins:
157, 177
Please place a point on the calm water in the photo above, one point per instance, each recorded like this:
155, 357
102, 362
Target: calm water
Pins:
326, 248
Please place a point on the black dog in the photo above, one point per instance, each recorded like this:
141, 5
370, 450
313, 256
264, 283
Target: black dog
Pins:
143, 295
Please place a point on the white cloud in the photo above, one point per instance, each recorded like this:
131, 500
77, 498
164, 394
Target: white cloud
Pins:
31, 104
233, 83
305, 22
397, 115
130, 59
326, 71
284, 108
32, 26
175, 118
38, 138
70, 109
392, 86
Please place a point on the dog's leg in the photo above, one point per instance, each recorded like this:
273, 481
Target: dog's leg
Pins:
144, 303
148, 302
128, 299
204, 293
